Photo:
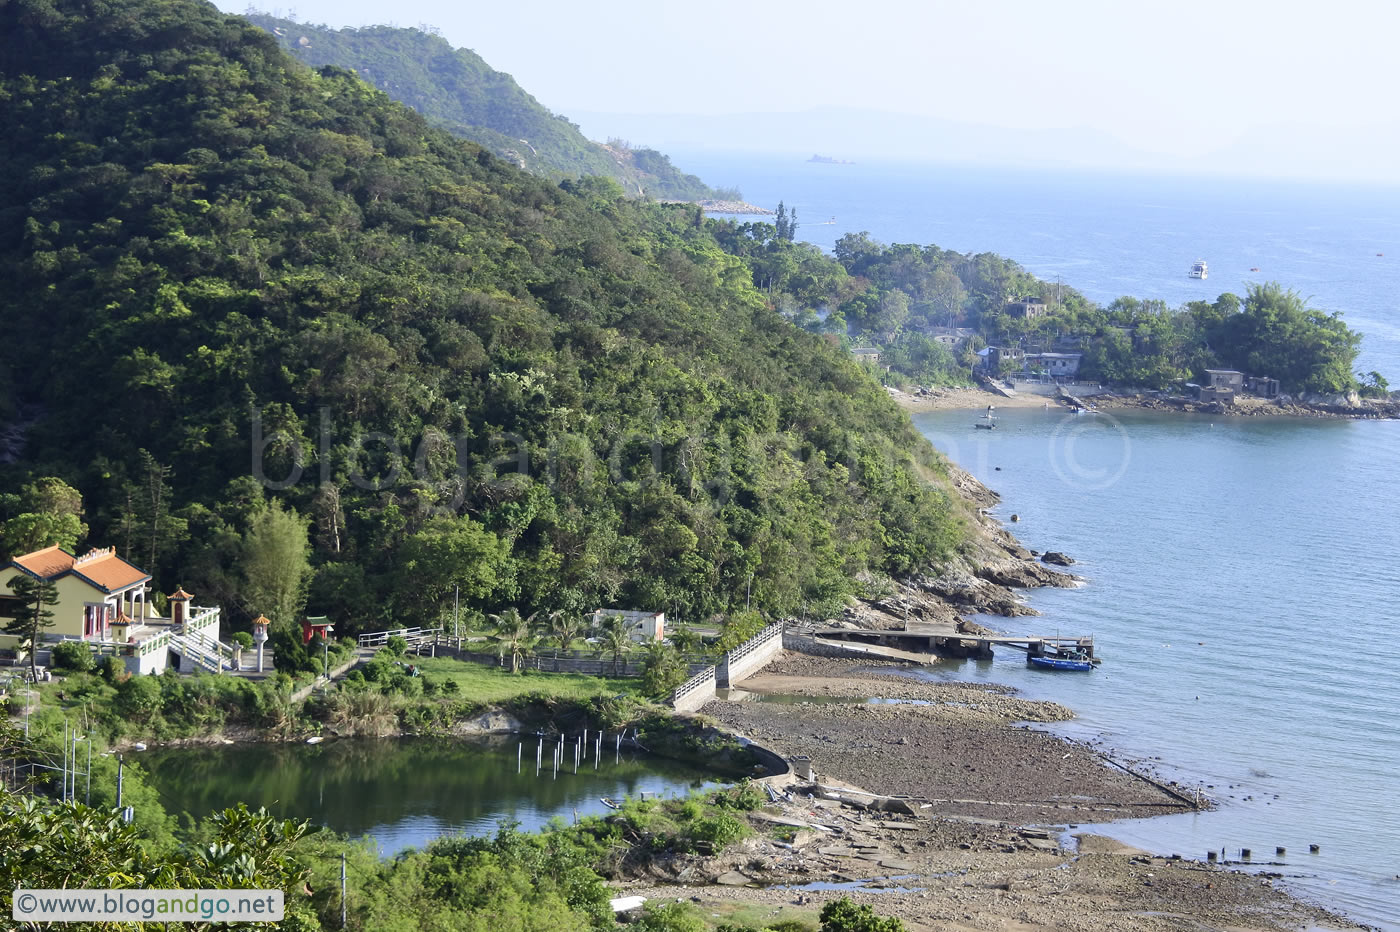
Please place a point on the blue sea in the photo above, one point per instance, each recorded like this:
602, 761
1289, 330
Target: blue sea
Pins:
1241, 572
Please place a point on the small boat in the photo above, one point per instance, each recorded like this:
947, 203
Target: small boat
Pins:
609, 803
1254, 268
1070, 661
1199, 270
990, 418
985, 426
315, 739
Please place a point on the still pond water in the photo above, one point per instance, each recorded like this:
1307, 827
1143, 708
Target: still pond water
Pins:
403, 793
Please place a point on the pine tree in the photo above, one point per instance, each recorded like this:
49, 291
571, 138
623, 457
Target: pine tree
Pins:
33, 616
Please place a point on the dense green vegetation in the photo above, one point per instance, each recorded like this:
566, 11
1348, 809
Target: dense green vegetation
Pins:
462, 376
897, 297
457, 90
550, 881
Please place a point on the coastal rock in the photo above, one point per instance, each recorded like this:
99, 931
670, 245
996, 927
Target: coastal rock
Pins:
1057, 558
1025, 575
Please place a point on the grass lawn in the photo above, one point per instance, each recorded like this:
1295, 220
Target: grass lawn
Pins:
490, 685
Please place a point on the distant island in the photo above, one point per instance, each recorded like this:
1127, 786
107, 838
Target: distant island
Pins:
828, 160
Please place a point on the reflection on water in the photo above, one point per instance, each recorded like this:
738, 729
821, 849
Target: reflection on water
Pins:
405, 792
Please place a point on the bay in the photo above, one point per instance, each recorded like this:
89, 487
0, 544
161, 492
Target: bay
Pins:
1240, 589
1241, 572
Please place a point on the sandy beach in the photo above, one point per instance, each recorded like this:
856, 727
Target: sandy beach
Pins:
994, 836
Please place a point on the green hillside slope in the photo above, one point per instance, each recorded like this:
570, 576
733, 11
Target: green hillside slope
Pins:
459, 91
235, 280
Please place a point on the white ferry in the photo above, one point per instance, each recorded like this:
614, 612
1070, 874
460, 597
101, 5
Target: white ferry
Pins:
1199, 269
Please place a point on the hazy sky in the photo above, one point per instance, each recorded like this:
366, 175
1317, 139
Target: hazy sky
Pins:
1180, 78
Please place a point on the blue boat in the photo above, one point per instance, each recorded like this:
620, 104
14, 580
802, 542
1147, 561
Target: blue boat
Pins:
1070, 661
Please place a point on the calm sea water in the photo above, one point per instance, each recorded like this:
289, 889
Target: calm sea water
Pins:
1109, 235
1241, 581
1242, 572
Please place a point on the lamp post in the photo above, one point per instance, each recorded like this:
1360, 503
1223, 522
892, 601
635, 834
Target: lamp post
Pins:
260, 637
326, 649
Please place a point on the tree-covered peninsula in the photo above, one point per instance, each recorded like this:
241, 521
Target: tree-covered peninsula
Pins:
253, 304
930, 310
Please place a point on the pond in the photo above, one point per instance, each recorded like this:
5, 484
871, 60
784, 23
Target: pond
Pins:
404, 792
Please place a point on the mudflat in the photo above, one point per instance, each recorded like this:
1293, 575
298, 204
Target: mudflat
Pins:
990, 839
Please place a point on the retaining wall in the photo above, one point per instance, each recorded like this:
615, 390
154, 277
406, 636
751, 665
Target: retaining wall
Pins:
694, 692
806, 644
750, 657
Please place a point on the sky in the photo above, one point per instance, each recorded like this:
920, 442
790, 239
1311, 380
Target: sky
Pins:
1179, 79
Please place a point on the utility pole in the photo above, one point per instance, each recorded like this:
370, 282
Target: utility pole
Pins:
87, 801
456, 604
119, 781
342, 889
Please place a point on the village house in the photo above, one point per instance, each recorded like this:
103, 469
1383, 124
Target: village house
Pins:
1029, 308
102, 601
642, 627
865, 353
1221, 385
1055, 365
1262, 385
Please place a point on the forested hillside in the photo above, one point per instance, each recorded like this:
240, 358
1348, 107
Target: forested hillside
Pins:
459, 91
245, 294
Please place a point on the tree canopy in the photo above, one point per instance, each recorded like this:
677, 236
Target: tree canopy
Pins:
289, 287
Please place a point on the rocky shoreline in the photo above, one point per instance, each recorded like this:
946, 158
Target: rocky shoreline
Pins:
982, 827
1337, 407
984, 833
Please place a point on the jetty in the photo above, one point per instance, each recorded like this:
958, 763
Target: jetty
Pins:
945, 640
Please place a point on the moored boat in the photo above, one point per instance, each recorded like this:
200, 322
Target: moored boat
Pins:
1199, 270
1065, 662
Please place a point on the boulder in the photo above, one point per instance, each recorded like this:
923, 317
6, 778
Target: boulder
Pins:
1057, 558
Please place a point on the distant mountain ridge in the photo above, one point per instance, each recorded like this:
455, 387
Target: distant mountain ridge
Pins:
457, 89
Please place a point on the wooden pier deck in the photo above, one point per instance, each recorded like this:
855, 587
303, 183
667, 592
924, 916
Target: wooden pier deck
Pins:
947, 641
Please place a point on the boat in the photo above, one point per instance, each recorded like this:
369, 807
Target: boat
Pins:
1199, 270
990, 418
1254, 268
1074, 660
609, 803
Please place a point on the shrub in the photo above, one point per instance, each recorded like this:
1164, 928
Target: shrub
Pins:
112, 669
450, 687
845, 916
138, 698
396, 646
673, 917
243, 639
717, 832
74, 656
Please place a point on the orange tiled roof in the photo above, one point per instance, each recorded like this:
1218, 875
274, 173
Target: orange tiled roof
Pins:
46, 563
179, 594
102, 569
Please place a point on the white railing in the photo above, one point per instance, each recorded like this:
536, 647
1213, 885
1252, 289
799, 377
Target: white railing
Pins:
411, 635
757, 641
698, 681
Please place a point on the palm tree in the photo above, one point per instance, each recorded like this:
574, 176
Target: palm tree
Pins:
565, 629
512, 636
615, 639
